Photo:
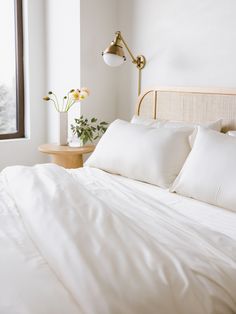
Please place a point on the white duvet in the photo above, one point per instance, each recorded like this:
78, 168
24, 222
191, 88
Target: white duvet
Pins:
77, 245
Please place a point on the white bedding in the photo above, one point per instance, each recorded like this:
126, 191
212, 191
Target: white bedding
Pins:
86, 241
216, 218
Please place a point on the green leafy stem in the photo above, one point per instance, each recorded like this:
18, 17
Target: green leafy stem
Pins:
88, 130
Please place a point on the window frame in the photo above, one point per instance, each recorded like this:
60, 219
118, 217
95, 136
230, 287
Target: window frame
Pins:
20, 110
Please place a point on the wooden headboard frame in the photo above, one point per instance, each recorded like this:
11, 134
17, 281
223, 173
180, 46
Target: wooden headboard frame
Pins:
189, 105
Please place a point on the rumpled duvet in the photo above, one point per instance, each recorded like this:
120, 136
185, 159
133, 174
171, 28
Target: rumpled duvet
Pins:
94, 258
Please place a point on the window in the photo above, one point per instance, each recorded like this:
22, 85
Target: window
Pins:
11, 70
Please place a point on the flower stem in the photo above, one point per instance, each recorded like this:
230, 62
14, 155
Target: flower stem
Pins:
55, 105
70, 105
57, 102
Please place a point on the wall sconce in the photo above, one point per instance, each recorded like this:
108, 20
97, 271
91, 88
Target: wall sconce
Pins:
114, 56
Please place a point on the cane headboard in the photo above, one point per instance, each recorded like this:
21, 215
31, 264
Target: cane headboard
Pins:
190, 105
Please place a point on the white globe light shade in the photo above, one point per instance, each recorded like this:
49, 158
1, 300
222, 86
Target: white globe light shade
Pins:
113, 60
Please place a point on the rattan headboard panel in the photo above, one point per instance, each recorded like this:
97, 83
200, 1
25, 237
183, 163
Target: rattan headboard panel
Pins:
190, 105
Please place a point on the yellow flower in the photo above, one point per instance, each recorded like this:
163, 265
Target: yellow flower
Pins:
85, 89
76, 95
84, 93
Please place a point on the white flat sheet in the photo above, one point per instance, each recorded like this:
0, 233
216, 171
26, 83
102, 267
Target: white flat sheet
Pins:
89, 242
216, 218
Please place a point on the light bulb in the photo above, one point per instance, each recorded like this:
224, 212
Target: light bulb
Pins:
113, 60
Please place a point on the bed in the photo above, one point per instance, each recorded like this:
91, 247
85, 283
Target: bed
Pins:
88, 241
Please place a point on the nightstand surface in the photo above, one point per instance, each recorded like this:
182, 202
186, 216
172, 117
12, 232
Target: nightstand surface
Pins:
66, 156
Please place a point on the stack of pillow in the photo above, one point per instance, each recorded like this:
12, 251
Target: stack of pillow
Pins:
191, 160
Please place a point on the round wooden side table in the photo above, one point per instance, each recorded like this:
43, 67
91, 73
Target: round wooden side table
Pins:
66, 156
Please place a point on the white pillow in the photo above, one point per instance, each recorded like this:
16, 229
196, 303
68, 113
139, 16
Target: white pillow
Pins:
209, 173
157, 123
142, 153
214, 125
231, 133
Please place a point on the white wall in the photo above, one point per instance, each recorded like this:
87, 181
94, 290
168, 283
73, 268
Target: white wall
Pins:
63, 55
25, 151
186, 43
99, 20
77, 32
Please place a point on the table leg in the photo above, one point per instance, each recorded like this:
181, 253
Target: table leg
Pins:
72, 161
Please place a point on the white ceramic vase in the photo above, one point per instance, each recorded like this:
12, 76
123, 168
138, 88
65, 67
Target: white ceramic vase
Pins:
63, 128
75, 141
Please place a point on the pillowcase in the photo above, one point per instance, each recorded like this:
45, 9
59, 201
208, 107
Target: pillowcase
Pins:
209, 173
157, 123
142, 153
231, 133
214, 125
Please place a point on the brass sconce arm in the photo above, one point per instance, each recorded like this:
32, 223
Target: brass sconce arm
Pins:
139, 61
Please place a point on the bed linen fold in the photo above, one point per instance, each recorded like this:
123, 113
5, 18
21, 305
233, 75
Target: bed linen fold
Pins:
119, 259
27, 283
